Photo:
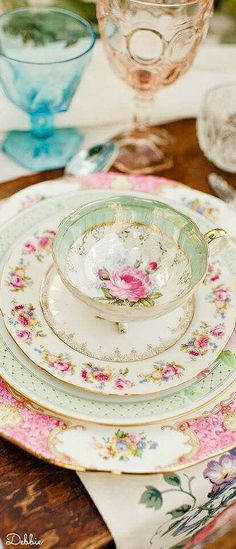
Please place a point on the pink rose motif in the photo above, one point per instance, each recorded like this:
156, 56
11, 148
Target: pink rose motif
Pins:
121, 383
18, 307
153, 266
130, 284
101, 376
16, 281
24, 320
44, 241
170, 371
217, 331
215, 277
29, 248
84, 374
62, 365
202, 341
25, 335
193, 352
210, 268
103, 274
221, 294
203, 374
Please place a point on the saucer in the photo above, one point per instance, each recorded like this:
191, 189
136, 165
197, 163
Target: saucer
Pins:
79, 328
22, 277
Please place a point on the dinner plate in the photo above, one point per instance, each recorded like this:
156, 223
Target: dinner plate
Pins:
114, 374
130, 413
40, 389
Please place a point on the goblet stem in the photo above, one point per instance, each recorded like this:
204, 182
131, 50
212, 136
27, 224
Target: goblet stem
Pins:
143, 149
42, 125
143, 103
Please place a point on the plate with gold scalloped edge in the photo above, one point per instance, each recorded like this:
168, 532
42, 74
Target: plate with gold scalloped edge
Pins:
24, 270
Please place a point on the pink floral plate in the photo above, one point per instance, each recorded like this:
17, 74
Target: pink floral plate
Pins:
69, 350
149, 449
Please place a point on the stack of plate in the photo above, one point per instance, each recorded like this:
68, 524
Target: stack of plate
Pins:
123, 404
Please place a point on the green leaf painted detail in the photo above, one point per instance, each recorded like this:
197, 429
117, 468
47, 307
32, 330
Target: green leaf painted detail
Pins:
152, 498
227, 358
172, 478
179, 511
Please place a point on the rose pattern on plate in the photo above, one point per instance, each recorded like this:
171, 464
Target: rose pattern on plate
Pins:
203, 207
42, 247
124, 445
163, 371
31, 200
203, 340
18, 279
220, 296
101, 376
213, 273
130, 285
60, 362
190, 524
23, 316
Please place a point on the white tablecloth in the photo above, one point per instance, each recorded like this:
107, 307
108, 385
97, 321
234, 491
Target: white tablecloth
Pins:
103, 103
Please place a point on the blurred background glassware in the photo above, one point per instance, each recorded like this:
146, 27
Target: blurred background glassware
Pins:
43, 55
216, 126
149, 45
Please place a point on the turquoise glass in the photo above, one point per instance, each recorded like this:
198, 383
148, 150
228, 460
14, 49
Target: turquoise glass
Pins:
43, 55
143, 228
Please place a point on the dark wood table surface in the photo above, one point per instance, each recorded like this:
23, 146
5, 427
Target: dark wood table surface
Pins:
49, 502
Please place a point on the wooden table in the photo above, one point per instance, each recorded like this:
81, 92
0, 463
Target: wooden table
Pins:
49, 502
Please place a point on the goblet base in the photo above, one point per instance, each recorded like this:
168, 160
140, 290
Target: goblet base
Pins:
144, 152
39, 154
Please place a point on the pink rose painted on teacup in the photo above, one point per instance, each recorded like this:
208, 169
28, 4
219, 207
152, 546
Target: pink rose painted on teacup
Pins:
129, 284
25, 335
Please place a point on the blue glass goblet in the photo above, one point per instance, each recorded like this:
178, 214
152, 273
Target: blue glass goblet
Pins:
43, 54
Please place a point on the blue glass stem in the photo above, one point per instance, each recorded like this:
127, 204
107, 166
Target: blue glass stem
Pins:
42, 125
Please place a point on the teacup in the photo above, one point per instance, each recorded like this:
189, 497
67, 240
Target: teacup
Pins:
131, 258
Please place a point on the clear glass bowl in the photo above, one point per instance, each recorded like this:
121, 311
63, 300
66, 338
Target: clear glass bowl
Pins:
216, 126
131, 258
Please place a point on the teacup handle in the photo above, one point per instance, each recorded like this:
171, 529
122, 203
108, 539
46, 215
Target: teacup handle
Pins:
213, 234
